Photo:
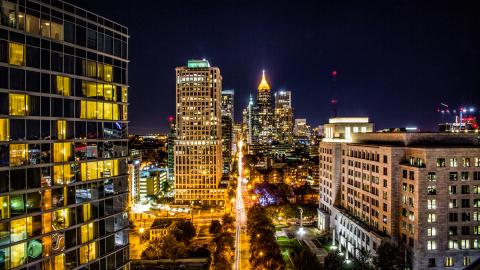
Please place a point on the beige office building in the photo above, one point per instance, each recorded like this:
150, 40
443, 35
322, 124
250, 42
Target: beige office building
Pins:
198, 143
418, 190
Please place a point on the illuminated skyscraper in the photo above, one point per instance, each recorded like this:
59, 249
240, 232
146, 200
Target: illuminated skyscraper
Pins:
263, 114
227, 129
247, 121
198, 144
283, 117
170, 149
63, 138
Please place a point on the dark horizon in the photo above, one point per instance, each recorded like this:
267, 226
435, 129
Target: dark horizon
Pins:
396, 60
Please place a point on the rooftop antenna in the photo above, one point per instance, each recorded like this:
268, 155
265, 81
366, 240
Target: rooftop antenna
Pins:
334, 100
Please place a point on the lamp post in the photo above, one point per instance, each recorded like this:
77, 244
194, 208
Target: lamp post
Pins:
301, 230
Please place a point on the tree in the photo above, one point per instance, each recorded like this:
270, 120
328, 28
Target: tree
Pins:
334, 261
172, 249
152, 252
306, 260
215, 227
389, 257
362, 261
183, 230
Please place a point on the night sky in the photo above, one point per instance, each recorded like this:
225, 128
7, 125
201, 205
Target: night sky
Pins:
396, 60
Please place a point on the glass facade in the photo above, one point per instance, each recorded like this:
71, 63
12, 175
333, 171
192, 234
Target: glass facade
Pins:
63, 138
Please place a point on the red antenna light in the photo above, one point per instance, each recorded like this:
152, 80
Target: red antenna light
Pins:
334, 73
170, 118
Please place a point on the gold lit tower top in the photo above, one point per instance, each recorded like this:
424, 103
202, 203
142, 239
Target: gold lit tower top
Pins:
263, 86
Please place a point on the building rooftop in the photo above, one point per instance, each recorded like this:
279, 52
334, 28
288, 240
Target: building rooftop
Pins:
418, 139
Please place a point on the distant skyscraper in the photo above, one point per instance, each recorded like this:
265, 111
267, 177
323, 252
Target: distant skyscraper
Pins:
247, 121
198, 144
263, 114
227, 127
283, 117
134, 161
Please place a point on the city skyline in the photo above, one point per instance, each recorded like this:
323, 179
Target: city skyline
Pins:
419, 54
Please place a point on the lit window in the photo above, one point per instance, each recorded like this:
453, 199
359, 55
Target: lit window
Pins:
32, 24
432, 231
4, 130
99, 110
124, 112
87, 232
89, 89
432, 204
449, 262
56, 30
59, 261
87, 212
431, 218
18, 105
17, 54
4, 207
452, 244
466, 261
453, 162
465, 243
61, 219
90, 69
17, 253
62, 129
124, 94
18, 154
109, 92
62, 174
18, 229
45, 28
88, 253
431, 245
63, 85
107, 73
62, 152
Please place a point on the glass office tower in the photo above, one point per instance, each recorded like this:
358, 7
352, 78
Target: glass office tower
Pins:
63, 138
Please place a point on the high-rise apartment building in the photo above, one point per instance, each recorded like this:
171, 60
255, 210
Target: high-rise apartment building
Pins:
418, 190
198, 143
134, 162
247, 121
227, 129
283, 117
63, 138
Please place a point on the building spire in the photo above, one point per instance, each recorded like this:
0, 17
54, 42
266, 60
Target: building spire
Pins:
263, 86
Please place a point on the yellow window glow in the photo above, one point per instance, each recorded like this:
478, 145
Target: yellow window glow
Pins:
109, 92
4, 130
88, 253
107, 111
90, 69
63, 85
124, 112
87, 212
61, 129
115, 115
16, 54
89, 89
18, 154
59, 262
4, 207
18, 104
87, 232
124, 94
100, 110
62, 152
17, 255
46, 223
108, 73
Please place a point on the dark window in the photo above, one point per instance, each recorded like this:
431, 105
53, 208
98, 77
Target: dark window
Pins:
45, 129
80, 36
45, 59
33, 130
80, 130
57, 61
17, 179
45, 103
33, 178
453, 217
91, 39
33, 57
17, 129
34, 106
57, 107
4, 78
3, 51
69, 32
69, 64
45, 83
17, 79
431, 262
33, 81
68, 109
4, 176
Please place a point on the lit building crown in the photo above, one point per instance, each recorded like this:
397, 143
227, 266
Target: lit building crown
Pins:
263, 86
